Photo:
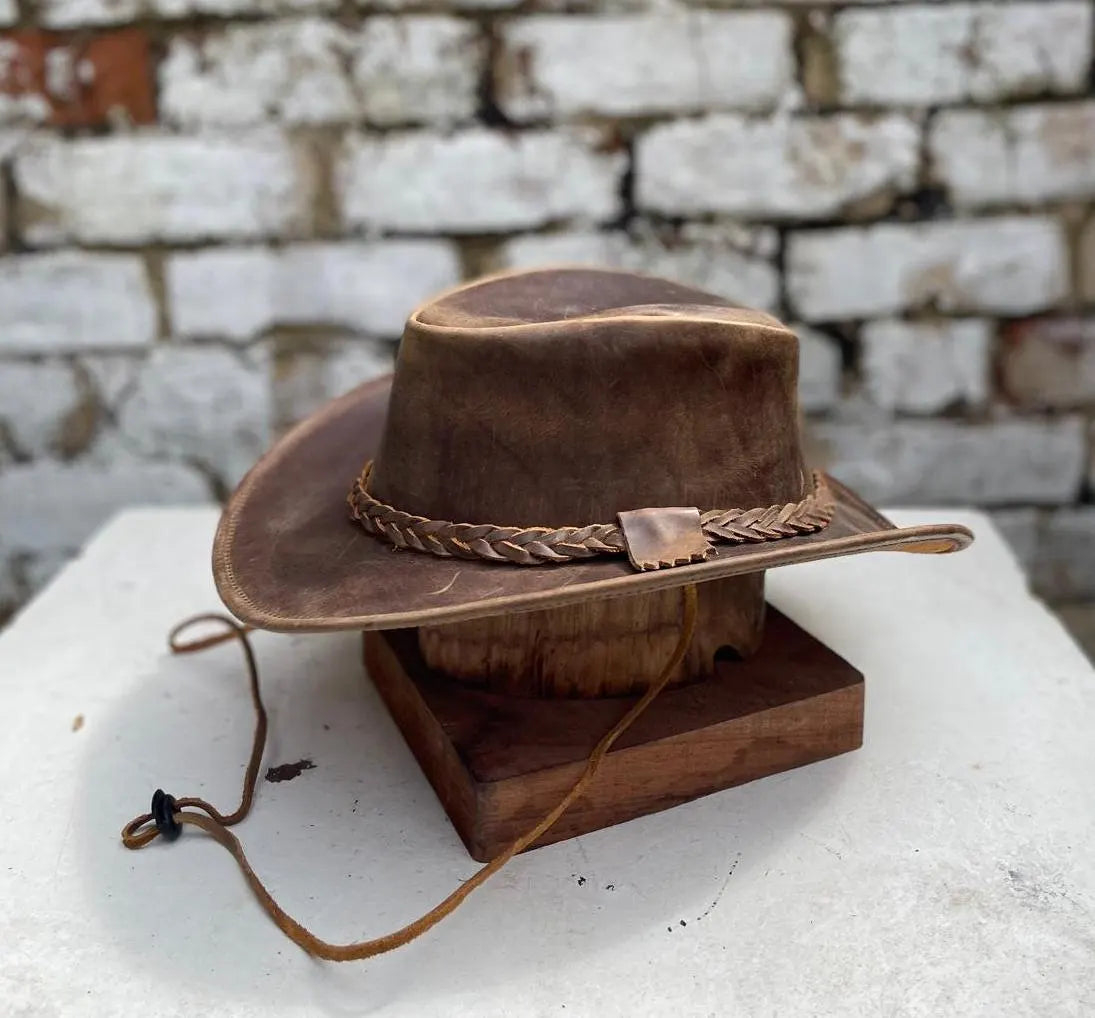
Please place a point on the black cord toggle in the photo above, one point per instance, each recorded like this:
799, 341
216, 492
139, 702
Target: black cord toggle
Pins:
163, 813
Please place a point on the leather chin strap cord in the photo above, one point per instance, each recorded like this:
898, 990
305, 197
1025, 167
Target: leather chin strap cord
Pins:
168, 815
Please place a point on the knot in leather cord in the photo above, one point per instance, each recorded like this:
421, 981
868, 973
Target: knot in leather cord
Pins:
163, 814
169, 814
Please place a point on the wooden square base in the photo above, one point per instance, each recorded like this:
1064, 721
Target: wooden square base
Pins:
499, 763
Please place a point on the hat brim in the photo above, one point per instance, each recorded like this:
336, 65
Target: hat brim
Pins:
288, 558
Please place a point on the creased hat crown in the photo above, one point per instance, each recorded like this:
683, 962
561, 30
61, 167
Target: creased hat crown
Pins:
564, 396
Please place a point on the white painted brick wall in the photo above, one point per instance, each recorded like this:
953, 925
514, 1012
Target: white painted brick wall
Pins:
478, 181
819, 370
35, 400
1085, 260
72, 13
38, 569
1064, 557
418, 70
111, 376
1091, 456
11, 590
943, 461
311, 71
704, 256
926, 367
20, 103
783, 167
1019, 528
76, 13
662, 62
68, 301
238, 293
459, 5
1050, 364
200, 404
11, 137
310, 378
151, 186
791, 4
925, 54
910, 183
289, 70
50, 507
1026, 154
1009, 265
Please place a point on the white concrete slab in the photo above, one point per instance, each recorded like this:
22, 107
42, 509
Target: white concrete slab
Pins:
947, 868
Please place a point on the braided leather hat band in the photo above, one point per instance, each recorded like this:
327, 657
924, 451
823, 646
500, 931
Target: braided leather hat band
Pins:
533, 546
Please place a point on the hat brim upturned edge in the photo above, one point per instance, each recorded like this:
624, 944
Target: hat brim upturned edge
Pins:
288, 558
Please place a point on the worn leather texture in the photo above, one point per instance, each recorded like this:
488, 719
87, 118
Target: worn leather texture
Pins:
663, 538
549, 398
287, 557
562, 397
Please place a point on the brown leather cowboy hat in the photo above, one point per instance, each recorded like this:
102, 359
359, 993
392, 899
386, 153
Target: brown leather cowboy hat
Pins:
525, 450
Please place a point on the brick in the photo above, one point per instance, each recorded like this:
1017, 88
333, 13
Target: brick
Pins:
924, 462
110, 376
1078, 618
22, 90
371, 288
11, 591
628, 64
701, 256
11, 138
147, 187
795, 3
820, 366
308, 71
920, 54
1009, 265
1085, 261
1063, 567
201, 404
49, 507
1026, 154
36, 399
926, 367
78, 13
304, 380
71, 301
456, 5
1019, 528
418, 70
76, 81
1049, 362
294, 71
37, 570
228, 8
782, 168
478, 180
1091, 456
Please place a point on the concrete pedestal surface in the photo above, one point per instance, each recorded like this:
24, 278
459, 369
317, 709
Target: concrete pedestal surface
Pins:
947, 868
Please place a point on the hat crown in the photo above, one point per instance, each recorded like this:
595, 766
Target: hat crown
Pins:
563, 396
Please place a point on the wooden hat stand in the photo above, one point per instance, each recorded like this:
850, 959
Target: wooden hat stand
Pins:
503, 712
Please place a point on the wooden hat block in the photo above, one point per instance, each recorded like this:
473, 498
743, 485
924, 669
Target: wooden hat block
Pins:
503, 712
